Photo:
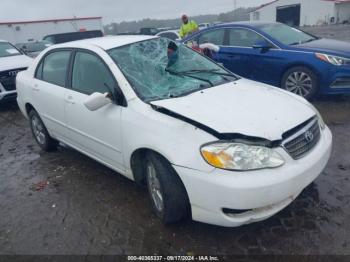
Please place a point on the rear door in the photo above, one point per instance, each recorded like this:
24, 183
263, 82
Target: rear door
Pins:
97, 133
48, 89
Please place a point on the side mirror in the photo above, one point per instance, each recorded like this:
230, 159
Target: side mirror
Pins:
97, 100
262, 44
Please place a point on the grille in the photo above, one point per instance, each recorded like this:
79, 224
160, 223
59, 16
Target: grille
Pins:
303, 140
8, 78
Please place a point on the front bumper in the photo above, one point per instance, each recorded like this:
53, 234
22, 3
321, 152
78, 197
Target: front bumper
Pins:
7, 95
336, 80
263, 192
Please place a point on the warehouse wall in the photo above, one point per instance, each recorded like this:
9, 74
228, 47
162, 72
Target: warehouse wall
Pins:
21, 33
313, 12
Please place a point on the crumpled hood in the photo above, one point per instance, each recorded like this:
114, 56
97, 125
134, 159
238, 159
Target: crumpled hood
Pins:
245, 107
14, 62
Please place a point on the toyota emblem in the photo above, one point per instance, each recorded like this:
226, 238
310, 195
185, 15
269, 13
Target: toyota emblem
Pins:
309, 136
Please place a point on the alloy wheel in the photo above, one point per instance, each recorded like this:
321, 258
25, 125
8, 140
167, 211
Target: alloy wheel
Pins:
299, 83
154, 187
38, 130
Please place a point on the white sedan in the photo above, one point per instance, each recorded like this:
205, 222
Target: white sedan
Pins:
207, 143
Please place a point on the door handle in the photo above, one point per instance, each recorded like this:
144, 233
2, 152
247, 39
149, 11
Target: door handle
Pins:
36, 88
70, 100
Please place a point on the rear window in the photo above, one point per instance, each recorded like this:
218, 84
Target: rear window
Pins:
54, 68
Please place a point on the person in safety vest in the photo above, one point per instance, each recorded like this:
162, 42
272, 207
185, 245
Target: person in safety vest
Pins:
188, 27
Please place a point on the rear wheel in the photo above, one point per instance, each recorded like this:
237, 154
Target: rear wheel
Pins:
167, 192
301, 81
42, 137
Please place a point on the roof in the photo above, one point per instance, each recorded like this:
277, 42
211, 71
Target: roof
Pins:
263, 5
107, 42
271, 2
242, 23
51, 20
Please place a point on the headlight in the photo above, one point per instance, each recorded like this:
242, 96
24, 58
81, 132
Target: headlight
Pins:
240, 157
319, 116
335, 60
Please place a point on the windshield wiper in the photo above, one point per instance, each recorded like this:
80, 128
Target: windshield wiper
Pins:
303, 42
210, 71
308, 41
188, 75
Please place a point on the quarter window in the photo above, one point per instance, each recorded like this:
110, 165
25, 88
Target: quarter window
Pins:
54, 68
91, 75
39, 71
216, 37
243, 37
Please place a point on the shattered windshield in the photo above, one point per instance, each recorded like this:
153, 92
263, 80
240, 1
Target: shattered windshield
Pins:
160, 69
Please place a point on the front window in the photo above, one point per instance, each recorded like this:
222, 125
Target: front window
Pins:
90, 75
160, 69
6, 49
285, 34
241, 37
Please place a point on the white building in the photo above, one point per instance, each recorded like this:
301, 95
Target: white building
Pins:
22, 32
303, 12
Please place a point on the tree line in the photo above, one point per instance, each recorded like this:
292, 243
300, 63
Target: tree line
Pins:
240, 14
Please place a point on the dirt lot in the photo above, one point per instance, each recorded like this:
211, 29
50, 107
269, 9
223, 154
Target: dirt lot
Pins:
65, 203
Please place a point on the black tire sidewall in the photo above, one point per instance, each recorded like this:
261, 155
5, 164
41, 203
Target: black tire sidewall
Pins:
160, 214
310, 73
176, 204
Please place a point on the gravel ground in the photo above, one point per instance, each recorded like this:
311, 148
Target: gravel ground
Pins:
339, 32
65, 203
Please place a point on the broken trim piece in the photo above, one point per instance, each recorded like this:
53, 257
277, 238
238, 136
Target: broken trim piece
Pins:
232, 137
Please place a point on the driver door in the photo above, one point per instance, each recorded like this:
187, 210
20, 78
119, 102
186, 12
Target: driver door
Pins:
97, 133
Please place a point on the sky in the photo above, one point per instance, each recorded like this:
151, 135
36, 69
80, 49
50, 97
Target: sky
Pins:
115, 10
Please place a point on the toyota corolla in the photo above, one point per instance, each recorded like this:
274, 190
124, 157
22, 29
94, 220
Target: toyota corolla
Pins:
207, 144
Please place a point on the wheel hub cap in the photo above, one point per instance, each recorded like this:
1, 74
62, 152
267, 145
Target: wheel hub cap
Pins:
38, 130
154, 187
299, 83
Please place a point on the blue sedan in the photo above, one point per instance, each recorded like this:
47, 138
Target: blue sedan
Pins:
280, 55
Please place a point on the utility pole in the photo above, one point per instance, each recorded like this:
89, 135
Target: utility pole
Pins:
234, 10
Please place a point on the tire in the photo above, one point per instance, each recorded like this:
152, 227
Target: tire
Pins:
174, 205
302, 81
39, 131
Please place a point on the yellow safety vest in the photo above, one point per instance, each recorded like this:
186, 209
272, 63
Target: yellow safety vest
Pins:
188, 28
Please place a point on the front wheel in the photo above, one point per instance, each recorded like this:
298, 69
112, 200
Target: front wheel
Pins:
167, 192
301, 81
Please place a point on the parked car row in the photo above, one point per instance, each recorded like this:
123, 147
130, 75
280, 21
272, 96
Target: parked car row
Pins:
33, 49
12, 61
207, 143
